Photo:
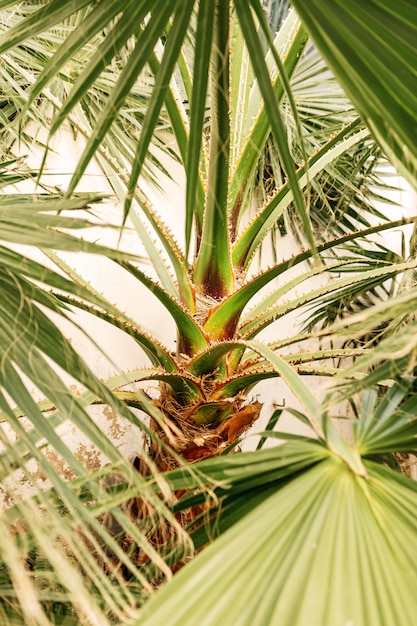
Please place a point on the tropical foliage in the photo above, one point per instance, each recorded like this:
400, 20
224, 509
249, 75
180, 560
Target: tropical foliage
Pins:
318, 530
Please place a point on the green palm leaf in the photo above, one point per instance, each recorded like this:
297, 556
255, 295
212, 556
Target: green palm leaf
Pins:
204, 35
372, 51
261, 71
291, 540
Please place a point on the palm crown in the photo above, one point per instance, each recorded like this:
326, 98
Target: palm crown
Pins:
227, 89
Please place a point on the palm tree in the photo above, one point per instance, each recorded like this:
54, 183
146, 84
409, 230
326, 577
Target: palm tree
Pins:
315, 509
